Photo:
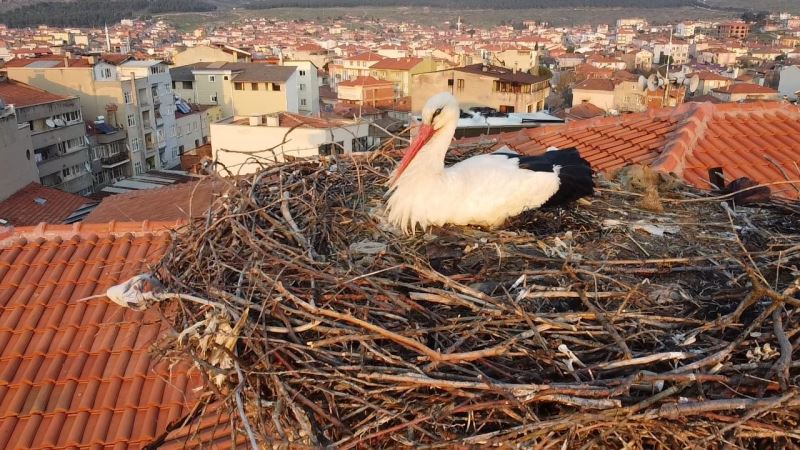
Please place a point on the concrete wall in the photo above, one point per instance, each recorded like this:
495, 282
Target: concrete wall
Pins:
303, 142
205, 89
309, 91
265, 100
602, 99
18, 166
789, 83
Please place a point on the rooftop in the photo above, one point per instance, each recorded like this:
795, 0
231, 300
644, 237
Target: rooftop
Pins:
502, 74
22, 95
365, 81
745, 88
397, 63
759, 140
595, 84
35, 203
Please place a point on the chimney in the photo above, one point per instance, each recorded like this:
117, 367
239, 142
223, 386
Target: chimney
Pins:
255, 121
66, 61
273, 120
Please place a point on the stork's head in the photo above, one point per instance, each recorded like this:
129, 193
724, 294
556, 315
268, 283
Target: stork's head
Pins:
439, 118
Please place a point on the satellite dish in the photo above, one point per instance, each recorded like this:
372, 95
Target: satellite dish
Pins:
680, 77
60, 122
50, 123
694, 82
642, 82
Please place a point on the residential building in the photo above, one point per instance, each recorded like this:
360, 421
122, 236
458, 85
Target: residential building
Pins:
239, 89
366, 91
717, 55
709, 81
124, 99
678, 49
734, 29
211, 53
598, 92
307, 86
685, 29
109, 153
522, 58
243, 144
745, 91
16, 152
158, 116
481, 85
634, 22
638, 60
57, 134
193, 129
309, 52
349, 68
789, 82
399, 71
33, 204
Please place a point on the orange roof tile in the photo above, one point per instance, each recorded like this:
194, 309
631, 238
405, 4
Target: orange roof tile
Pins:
78, 373
760, 140
595, 84
745, 88
25, 207
22, 95
397, 63
183, 201
365, 81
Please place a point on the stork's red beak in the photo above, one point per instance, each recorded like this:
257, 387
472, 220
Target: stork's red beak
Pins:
423, 136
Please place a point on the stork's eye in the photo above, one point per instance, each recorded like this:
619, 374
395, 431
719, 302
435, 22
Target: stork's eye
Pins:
436, 113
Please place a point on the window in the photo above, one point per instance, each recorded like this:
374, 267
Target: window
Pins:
188, 85
450, 82
105, 72
302, 73
213, 98
253, 86
131, 120
238, 86
302, 102
276, 87
225, 78
460, 84
137, 167
137, 144
212, 79
302, 87
128, 98
181, 149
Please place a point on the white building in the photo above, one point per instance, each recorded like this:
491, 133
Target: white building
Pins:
307, 87
244, 144
789, 84
685, 29
160, 141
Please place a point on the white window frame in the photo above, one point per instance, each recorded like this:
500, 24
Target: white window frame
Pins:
212, 78
131, 120
128, 97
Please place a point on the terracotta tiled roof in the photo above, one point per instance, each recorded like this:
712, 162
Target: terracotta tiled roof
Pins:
183, 201
706, 75
745, 88
78, 373
397, 63
759, 140
584, 111
501, 73
289, 120
366, 56
50, 62
25, 207
22, 95
595, 84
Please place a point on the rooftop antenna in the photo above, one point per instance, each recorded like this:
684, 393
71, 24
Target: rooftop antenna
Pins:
108, 40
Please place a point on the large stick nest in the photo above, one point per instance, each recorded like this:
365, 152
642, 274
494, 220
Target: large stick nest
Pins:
604, 325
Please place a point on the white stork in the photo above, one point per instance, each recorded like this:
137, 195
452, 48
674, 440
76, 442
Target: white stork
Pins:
481, 190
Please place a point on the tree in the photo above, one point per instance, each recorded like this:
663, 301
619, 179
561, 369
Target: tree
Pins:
543, 71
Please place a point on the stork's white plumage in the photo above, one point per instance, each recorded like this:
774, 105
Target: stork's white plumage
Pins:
482, 190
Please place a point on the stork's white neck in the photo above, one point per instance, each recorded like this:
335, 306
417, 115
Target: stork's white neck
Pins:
429, 162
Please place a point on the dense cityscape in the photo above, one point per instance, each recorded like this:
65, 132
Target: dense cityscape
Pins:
113, 134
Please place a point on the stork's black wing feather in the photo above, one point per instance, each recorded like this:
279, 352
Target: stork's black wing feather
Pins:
574, 173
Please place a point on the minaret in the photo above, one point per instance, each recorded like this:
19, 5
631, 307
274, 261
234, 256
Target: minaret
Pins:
108, 40
458, 24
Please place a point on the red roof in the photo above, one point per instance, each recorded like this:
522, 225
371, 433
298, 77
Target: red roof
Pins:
745, 88
57, 62
595, 84
22, 95
584, 111
54, 206
397, 63
365, 81
706, 75
366, 56
183, 201
744, 139
79, 373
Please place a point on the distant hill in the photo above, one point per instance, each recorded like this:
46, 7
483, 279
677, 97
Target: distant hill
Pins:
90, 13
470, 4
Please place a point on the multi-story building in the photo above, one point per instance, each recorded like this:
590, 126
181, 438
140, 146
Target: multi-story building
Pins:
685, 29
366, 91
352, 67
109, 152
158, 112
124, 96
57, 134
481, 85
16, 152
242, 144
194, 127
307, 87
239, 89
735, 29
678, 49
789, 82
399, 72
744, 91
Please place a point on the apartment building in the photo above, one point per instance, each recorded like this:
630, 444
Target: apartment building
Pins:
194, 126
239, 89
307, 86
109, 152
482, 85
243, 144
709, 81
16, 151
58, 137
351, 67
678, 49
366, 91
310, 52
399, 71
126, 97
736, 30
743, 92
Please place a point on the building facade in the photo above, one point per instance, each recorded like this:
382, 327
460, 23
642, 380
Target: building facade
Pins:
307, 87
16, 152
480, 85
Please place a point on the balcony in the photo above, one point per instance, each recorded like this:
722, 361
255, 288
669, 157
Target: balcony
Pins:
55, 164
109, 138
110, 162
